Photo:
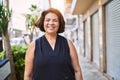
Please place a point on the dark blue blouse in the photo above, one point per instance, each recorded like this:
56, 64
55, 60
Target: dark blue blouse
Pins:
52, 64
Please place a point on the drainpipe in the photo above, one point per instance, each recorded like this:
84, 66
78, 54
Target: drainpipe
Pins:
78, 24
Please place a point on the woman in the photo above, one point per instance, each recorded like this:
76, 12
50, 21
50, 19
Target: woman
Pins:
52, 57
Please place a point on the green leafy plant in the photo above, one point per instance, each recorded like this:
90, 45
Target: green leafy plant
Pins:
19, 59
5, 15
31, 19
19, 55
2, 55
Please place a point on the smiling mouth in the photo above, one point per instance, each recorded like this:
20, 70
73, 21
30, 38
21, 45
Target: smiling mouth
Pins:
50, 27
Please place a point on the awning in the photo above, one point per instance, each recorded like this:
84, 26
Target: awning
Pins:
80, 6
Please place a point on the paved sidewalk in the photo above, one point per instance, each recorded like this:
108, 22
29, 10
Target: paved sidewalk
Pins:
89, 72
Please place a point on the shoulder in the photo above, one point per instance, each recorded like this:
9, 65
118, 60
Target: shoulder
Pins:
73, 51
31, 46
39, 38
30, 51
62, 38
70, 43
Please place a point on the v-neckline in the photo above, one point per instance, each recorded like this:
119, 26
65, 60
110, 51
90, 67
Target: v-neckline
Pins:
50, 46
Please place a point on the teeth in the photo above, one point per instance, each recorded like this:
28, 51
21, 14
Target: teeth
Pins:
51, 27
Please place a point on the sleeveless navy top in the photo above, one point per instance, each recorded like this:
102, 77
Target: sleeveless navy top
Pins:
52, 64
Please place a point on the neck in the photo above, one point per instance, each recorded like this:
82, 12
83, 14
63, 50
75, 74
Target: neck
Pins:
51, 37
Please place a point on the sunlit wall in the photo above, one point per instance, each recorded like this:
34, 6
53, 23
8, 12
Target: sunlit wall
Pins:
58, 4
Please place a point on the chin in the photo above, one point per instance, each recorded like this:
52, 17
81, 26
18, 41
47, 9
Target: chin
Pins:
51, 32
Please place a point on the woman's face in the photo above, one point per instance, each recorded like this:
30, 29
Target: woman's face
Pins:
51, 23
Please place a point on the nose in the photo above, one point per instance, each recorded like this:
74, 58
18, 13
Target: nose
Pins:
51, 22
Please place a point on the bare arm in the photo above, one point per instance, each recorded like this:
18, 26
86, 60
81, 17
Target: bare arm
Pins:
75, 62
29, 62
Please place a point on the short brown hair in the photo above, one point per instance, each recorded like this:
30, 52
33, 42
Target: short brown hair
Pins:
40, 22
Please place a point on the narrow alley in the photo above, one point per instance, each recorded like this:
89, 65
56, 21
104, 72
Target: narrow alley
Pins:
89, 71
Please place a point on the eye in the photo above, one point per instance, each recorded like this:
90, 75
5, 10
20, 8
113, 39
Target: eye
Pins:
55, 20
47, 20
